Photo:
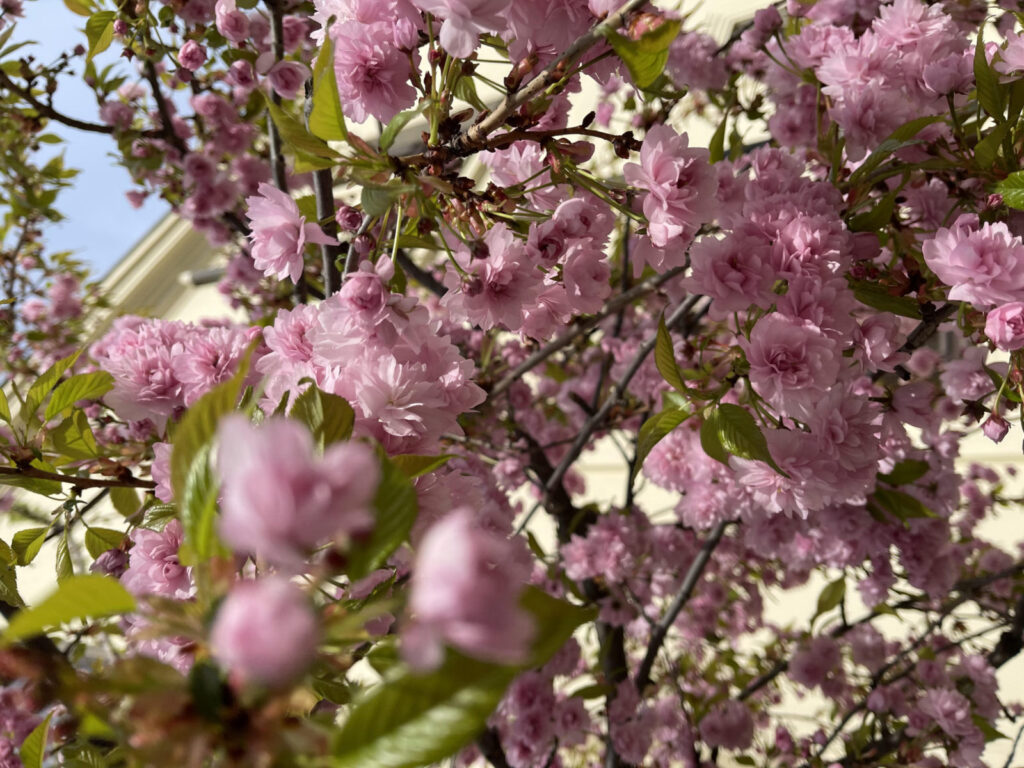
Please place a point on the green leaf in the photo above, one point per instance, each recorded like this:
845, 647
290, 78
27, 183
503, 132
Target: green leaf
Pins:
987, 729
326, 120
84, 386
46, 382
876, 218
81, 7
33, 484
730, 429
412, 465
27, 542
878, 297
654, 430
906, 471
84, 596
65, 569
898, 139
395, 510
199, 511
158, 515
199, 424
465, 89
665, 358
125, 500
716, 147
831, 596
208, 691
646, 57
99, 29
73, 438
295, 136
99, 540
9, 585
5, 408
377, 200
901, 505
986, 151
393, 128
1012, 190
306, 163
329, 417
415, 719
991, 95
33, 748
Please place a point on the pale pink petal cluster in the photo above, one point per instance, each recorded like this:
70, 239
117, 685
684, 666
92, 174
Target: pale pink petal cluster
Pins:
680, 186
280, 501
280, 233
153, 565
1005, 326
265, 632
465, 592
983, 263
465, 21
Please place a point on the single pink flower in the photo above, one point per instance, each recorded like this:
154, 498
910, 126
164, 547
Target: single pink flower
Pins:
465, 591
280, 233
265, 632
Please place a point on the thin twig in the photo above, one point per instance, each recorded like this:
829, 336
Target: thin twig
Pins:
46, 110
474, 136
660, 631
580, 328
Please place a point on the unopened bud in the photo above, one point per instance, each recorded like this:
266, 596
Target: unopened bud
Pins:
349, 218
995, 428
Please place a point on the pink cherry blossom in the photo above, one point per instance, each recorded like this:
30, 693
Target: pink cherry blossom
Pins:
153, 565
280, 233
983, 264
679, 183
465, 591
465, 21
1005, 326
192, 55
265, 632
279, 500
792, 363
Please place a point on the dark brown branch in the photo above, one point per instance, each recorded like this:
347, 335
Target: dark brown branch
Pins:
490, 747
474, 136
323, 191
277, 167
660, 631
931, 320
166, 124
78, 482
580, 328
965, 587
420, 275
45, 110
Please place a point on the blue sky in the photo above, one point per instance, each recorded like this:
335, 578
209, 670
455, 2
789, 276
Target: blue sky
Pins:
100, 225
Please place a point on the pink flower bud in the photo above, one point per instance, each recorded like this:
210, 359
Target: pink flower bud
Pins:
287, 78
349, 218
265, 632
995, 428
1005, 326
192, 56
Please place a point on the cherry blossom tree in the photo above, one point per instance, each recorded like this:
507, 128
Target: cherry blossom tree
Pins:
475, 245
